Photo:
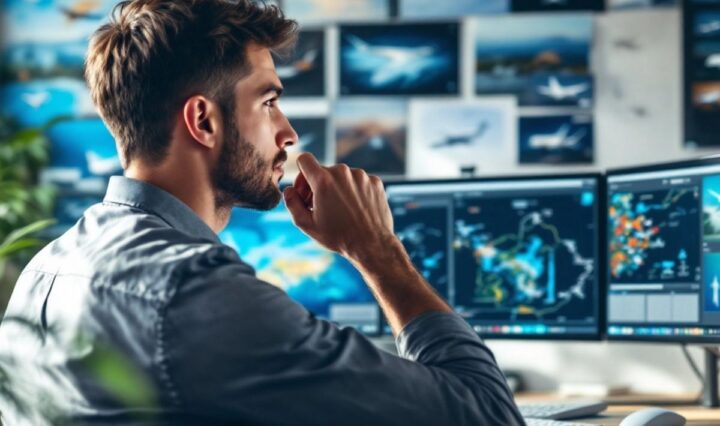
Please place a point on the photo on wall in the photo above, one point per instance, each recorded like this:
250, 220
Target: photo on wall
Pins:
403, 59
707, 24
302, 72
706, 59
450, 138
371, 134
43, 70
542, 59
706, 95
315, 11
451, 8
558, 139
312, 138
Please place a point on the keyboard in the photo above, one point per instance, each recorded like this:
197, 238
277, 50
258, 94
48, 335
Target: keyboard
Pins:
562, 410
545, 422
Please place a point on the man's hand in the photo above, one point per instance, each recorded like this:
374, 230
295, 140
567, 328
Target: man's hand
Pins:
344, 209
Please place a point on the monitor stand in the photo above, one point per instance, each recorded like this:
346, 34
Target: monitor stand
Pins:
710, 384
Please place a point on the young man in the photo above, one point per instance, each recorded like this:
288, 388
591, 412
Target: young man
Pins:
189, 90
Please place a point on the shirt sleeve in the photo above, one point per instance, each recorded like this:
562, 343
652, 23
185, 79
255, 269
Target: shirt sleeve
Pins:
240, 349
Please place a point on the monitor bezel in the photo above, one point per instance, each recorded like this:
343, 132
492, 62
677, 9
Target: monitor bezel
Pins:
653, 167
600, 249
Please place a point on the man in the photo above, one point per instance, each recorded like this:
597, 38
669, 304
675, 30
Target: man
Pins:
143, 285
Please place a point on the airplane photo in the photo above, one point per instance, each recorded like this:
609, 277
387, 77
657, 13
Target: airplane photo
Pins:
707, 24
462, 139
559, 92
399, 59
559, 139
706, 95
556, 139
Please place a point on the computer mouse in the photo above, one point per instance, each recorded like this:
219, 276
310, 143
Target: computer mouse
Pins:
653, 417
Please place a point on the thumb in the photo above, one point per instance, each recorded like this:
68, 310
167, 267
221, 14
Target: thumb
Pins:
302, 217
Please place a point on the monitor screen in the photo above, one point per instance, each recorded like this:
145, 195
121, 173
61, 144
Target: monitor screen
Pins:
663, 252
516, 257
322, 281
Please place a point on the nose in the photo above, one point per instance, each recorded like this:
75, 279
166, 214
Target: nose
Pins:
287, 135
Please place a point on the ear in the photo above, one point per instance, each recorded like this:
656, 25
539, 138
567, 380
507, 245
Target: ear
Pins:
202, 119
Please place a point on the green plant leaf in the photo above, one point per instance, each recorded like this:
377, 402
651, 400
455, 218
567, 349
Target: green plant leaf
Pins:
27, 230
6, 250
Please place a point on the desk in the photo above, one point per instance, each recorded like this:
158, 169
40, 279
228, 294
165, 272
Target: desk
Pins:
696, 415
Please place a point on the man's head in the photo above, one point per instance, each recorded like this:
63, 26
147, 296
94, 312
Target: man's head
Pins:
199, 71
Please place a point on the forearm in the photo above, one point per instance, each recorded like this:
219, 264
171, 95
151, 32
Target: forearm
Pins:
402, 292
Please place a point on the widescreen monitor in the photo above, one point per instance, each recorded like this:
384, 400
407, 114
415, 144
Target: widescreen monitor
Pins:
322, 281
516, 257
663, 252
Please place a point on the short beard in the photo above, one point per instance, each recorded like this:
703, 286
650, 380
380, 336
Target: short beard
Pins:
241, 173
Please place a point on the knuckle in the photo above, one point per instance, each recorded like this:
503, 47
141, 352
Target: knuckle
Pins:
342, 169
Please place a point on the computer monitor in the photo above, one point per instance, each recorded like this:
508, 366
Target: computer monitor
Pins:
322, 281
663, 252
517, 257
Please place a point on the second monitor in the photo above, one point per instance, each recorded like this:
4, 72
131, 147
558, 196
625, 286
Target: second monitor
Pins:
517, 257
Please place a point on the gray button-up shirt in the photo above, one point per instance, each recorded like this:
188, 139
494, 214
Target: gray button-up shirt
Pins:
140, 315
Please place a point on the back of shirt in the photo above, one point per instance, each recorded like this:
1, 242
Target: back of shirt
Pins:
139, 315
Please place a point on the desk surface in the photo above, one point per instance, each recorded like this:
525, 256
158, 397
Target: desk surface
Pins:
695, 415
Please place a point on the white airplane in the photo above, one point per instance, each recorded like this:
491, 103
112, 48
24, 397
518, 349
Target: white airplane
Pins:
35, 100
713, 61
302, 65
406, 63
710, 97
559, 92
709, 27
102, 166
715, 286
559, 139
462, 139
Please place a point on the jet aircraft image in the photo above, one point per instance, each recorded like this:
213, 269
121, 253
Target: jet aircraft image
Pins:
560, 139
401, 63
462, 139
558, 92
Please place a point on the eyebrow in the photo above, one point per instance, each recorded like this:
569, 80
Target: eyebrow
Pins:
272, 87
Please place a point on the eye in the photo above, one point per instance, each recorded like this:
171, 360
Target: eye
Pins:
271, 102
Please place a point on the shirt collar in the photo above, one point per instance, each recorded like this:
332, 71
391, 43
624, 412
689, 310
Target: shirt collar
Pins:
144, 196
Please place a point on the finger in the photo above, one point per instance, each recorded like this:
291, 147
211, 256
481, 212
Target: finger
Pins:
310, 168
302, 217
303, 190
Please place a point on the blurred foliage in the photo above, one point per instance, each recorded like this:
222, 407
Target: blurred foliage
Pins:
23, 154
25, 205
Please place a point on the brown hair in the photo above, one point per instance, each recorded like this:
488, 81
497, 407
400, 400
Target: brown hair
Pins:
154, 54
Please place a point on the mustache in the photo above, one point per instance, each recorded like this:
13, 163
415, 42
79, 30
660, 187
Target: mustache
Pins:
281, 157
